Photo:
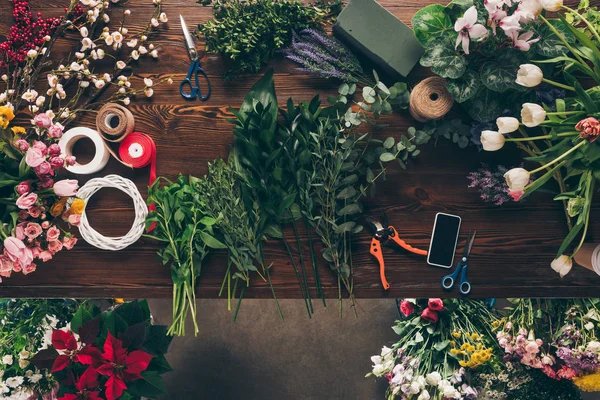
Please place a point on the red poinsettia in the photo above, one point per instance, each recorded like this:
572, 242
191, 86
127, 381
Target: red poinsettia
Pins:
66, 343
85, 385
121, 366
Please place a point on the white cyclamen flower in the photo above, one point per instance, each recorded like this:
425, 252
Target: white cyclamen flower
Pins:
492, 140
532, 114
552, 5
529, 75
562, 265
507, 124
517, 178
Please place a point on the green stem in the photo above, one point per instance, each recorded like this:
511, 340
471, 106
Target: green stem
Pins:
526, 139
289, 251
564, 41
585, 21
557, 159
588, 194
266, 269
302, 264
560, 85
313, 258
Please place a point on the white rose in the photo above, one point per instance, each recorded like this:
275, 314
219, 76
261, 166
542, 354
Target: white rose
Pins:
517, 178
507, 124
552, 5
562, 265
492, 140
532, 114
433, 378
529, 75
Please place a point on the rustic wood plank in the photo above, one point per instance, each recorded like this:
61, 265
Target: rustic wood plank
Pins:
511, 256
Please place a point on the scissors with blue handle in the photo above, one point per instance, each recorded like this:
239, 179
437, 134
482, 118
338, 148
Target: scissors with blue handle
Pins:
191, 80
464, 287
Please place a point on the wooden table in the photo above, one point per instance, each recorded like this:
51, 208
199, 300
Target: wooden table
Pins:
511, 256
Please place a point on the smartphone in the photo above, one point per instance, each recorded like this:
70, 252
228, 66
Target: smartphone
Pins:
443, 240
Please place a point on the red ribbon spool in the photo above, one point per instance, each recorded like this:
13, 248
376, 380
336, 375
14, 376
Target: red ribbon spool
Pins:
138, 150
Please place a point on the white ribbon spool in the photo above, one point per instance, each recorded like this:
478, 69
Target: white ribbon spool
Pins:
92, 236
101, 156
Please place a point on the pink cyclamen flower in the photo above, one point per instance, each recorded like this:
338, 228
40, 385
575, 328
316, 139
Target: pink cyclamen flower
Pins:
589, 128
55, 130
53, 150
69, 242
510, 25
52, 233
16, 250
44, 169
54, 246
26, 200
22, 144
66, 188
42, 120
468, 28
74, 219
29, 269
24, 187
523, 41
34, 157
33, 230
495, 12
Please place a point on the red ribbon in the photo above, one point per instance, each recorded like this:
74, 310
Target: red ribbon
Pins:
138, 150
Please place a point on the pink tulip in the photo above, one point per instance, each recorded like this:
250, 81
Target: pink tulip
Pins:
44, 168
55, 130
42, 120
24, 187
66, 188
467, 28
16, 250
57, 162
22, 144
40, 145
26, 200
70, 160
34, 157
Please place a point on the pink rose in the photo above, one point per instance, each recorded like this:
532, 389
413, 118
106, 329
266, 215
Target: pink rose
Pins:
33, 230
54, 150
46, 182
34, 211
24, 187
45, 255
36, 251
52, 233
23, 215
57, 162
45, 224
74, 219
26, 200
16, 250
42, 120
44, 168
435, 304
406, 308
66, 188
70, 160
54, 246
20, 231
34, 157
41, 146
22, 144
69, 242
29, 269
55, 130
429, 315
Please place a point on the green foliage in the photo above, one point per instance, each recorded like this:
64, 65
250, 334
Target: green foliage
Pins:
443, 59
432, 22
454, 130
541, 387
248, 33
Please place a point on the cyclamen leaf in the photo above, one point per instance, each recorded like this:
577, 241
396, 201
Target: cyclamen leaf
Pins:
465, 87
444, 60
431, 22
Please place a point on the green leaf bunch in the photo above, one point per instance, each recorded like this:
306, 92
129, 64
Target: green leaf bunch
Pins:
249, 32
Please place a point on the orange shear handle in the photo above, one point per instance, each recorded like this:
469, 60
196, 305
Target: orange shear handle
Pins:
376, 252
405, 245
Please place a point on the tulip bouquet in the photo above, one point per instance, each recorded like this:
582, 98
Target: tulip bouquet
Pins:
31, 123
564, 143
440, 344
115, 354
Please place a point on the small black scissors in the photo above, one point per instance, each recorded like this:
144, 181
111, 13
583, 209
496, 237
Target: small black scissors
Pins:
195, 69
464, 286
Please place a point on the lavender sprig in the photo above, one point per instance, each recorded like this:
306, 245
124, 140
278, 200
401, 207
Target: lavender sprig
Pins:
491, 184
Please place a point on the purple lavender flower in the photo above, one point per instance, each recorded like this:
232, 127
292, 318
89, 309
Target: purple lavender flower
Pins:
579, 361
491, 184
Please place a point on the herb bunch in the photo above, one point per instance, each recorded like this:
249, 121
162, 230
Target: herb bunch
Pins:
248, 33
187, 234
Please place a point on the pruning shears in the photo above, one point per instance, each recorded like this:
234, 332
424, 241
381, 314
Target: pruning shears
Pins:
383, 233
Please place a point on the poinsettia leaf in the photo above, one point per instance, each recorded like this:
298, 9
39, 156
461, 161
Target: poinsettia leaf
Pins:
61, 362
90, 355
81, 316
160, 365
431, 22
114, 387
131, 312
151, 385
465, 87
88, 333
157, 341
134, 336
44, 359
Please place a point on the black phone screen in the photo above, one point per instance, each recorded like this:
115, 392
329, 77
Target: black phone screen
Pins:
443, 240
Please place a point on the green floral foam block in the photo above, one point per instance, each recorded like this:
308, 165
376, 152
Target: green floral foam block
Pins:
378, 34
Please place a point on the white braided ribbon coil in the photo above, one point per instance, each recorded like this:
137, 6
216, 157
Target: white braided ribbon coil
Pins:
92, 236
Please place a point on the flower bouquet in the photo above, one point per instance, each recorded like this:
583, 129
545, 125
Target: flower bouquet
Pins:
32, 198
115, 354
25, 329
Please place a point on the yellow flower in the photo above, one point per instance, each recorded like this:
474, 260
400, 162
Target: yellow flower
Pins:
6, 115
588, 383
454, 351
471, 348
495, 324
456, 334
78, 206
18, 130
474, 336
462, 363
58, 207
452, 343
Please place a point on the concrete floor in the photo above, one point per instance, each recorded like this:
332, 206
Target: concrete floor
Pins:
261, 357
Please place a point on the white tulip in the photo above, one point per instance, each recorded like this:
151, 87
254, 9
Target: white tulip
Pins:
507, 124
492, 140
532, 114
562, 265
424, 395
433, 378
529, 75
552, 5
517, 178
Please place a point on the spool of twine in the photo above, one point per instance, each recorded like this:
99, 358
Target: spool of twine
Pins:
114, 122
430, 99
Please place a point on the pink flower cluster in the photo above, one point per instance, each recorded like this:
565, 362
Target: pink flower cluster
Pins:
429, 313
